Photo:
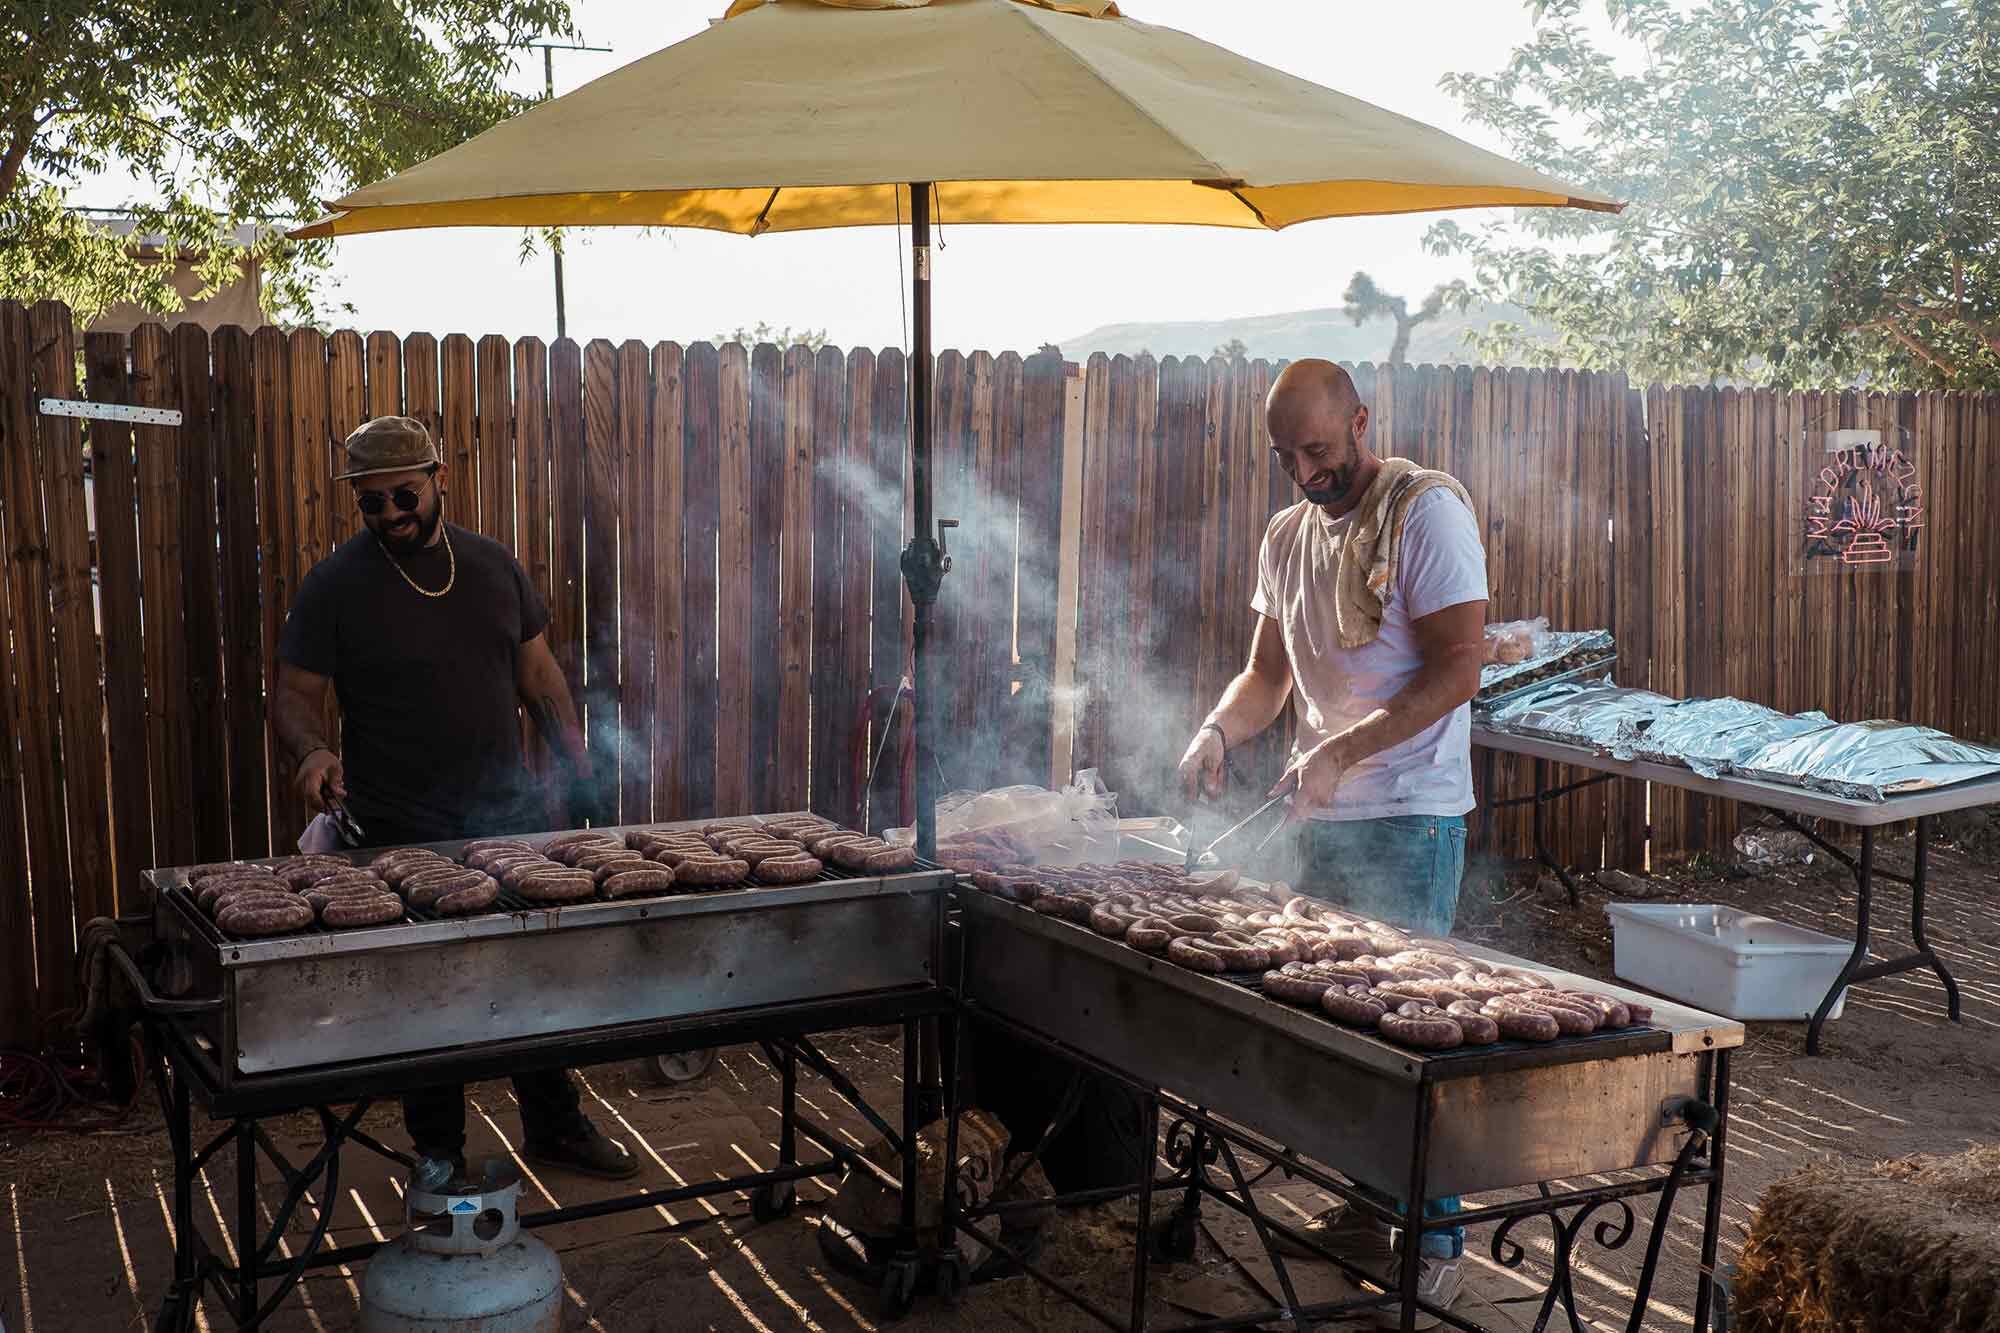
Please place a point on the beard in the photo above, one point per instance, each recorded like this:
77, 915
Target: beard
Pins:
1337, 485
409, 541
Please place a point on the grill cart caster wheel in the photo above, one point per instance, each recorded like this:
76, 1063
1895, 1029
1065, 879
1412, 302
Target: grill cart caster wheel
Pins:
1173, 1239
773, 1202
899, 1288
954, 1275
681, 1066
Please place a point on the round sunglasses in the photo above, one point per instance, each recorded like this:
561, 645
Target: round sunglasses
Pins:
406, 498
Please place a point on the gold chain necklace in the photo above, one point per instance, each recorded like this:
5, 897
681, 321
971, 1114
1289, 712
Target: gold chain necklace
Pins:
450, 578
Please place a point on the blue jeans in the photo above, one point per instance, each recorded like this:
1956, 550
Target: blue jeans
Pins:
1403, 869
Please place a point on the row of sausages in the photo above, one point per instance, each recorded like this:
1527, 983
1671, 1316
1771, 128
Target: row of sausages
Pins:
1416, 992
256, 899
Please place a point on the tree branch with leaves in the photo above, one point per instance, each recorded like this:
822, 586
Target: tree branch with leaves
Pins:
1813, 187
229, 112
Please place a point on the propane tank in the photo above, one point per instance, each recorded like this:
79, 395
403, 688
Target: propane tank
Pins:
462, 1262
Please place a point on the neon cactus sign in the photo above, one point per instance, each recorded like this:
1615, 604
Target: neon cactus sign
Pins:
1866, 509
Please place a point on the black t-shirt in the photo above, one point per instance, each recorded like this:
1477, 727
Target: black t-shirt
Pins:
429, 736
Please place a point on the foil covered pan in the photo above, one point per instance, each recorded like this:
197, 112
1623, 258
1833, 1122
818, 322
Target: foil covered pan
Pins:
1607, 718
1871, 761
1716, 736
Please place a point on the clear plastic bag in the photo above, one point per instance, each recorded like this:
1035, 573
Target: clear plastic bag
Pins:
1514, 641
1026, 824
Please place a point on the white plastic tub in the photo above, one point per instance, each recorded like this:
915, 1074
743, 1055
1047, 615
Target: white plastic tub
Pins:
1727, 962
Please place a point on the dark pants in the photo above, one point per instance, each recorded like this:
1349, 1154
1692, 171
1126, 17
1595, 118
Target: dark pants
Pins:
435, 1117
550, 1113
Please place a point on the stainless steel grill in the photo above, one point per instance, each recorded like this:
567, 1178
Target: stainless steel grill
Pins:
320, 997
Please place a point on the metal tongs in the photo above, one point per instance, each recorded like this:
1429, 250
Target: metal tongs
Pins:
1206, 855
343, 823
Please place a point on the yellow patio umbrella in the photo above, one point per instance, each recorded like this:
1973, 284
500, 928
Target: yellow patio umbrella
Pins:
789, 115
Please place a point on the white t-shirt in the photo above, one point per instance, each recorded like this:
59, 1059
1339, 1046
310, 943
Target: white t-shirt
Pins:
1442, 564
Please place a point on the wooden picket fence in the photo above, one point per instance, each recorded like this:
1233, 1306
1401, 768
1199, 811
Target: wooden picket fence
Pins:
716, 532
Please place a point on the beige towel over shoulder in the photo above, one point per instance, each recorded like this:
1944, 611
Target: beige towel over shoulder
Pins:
1365, 566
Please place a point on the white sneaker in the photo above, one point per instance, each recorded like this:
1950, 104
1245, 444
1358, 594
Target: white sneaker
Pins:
1439, 1282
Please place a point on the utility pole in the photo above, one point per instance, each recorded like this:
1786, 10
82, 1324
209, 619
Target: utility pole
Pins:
548, 50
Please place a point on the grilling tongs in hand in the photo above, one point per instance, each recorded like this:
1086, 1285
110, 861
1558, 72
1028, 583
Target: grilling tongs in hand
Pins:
343, 823
1206, 855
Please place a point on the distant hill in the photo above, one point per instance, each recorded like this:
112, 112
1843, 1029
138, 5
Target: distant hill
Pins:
1296, 333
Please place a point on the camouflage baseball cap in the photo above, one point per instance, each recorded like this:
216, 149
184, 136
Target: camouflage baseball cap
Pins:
387, 444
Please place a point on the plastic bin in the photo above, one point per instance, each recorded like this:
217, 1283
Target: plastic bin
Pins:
1725, 961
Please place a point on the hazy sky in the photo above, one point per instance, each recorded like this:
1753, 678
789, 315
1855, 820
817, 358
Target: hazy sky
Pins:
996, 287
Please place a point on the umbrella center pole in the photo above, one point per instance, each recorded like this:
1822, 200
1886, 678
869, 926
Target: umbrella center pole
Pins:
925, 560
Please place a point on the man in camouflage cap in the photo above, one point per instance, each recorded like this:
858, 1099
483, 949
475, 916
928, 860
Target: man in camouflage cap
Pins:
430, 637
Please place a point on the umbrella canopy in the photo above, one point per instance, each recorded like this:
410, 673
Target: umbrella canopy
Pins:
788, 115
798, 114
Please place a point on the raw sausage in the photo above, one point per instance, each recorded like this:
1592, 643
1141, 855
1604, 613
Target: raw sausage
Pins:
1422, 1025
1479, 1029
1521, 1022
1355, 1005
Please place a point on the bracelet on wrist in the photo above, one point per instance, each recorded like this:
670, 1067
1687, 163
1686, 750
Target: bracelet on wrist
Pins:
1220, 734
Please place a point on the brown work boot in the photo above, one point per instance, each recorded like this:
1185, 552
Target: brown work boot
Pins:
587, 1152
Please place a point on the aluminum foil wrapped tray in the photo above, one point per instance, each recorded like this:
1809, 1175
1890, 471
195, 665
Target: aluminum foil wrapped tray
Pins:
1562, 651
1871, 761
1717, 736
1607, 718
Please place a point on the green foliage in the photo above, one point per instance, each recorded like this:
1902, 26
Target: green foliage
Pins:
813, 339
1363, 301
230, 111
1814, 191
1233, 350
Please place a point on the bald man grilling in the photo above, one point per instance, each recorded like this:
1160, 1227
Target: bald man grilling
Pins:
1371, 612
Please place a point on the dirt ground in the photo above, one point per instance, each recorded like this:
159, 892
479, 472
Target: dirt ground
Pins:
84, 1222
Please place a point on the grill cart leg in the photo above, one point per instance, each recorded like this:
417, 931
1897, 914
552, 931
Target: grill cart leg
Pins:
775, 1201
899, 1280
246, 1225
1711, 1218
177, 1310
1149, 1134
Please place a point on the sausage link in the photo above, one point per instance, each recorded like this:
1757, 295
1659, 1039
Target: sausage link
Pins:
1353, 1005
797, 868
264, 916
711, 872
1611, 1013
372, 911
1479, 1029
213, 888
488, 844
1149, 934
426, 893
1423, 1026
629, 861
557, 887
463, 902
1521, 1022
890, 860
646, 879
514, 874
245, 892
1294, 989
